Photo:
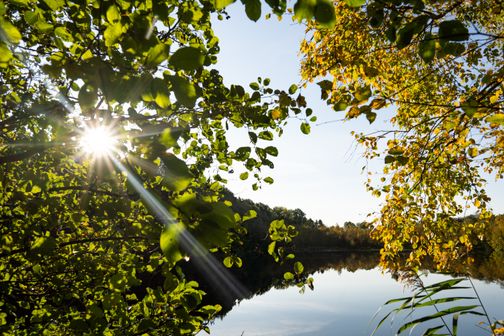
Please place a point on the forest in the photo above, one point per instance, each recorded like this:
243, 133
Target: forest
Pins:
115, 128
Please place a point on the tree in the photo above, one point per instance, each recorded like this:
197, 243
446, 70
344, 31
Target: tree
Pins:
437, 66
93, 238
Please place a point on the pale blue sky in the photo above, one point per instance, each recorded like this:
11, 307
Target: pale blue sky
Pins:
319, 173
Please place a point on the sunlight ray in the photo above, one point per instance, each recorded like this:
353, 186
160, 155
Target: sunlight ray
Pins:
219, 277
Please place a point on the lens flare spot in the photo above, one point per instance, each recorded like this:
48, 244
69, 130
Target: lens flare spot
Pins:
98, 141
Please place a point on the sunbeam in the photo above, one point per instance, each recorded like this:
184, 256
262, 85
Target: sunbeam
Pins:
219, 278
98, 141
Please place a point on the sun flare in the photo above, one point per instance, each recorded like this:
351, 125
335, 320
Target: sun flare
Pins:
98, 141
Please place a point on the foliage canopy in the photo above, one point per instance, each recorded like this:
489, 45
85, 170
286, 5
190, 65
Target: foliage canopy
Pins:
437, 66
93, 244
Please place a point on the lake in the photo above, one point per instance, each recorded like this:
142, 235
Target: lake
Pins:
343, 302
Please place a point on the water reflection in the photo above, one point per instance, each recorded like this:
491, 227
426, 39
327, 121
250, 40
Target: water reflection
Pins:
349, 288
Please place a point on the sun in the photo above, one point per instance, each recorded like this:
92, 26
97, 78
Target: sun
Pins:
98, 141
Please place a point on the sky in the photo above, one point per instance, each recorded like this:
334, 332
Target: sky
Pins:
319, 173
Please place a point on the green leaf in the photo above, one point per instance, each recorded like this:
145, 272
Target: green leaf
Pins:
271, 248
293, 88
355, 3
439, 314
404, 36
54, 4
304, 9
244, 176
266, 135
269, 180
427, 48
324, 13
44, 245
470, 107
169, 241
254, 86
157, 55
273, 151
497, 118
112, 34
389, 159
371, 117
228, 262
160, 92
288, 276
113, 14
298, 267
9, 33
305, 128
455, 49
453, 30
87, 97
187, 58
221, 4
64, 34
253, 9
362, 94
5, 55
170, 136
175, 173
185, 91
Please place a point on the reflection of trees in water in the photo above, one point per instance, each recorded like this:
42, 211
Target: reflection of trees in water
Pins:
260, 273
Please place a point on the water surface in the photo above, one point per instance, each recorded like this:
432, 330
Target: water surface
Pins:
343, 303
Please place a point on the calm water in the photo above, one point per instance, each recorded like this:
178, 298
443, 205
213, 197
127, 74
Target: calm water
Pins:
343, 303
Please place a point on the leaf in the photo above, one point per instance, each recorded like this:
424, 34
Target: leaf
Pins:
169, 241
5, 55
427, 48
265, 135
170, 136
363, 94
253, 9
288, 276
160, 92
185, 91
273, 151
404, 36
470, 107
175, 173
244, 175
355, 3
254, 86
293, 88
497, 118
435, 316
453, 30
187, 58
305, 128
9, 33
112, 34
371, 117
44, 245
269, 180
298, 267
54, 4
324, 13
113, 14
228, 262
389, 159
221, 4
304, 9
64, 34
157, 55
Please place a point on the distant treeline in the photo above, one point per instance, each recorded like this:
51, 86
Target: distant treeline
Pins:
313, 235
